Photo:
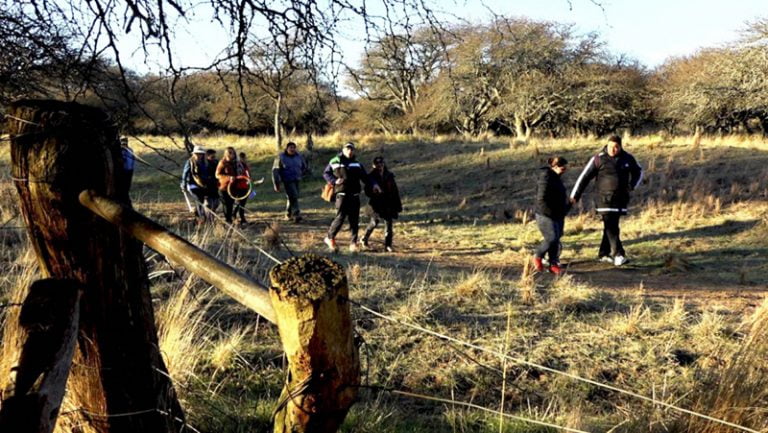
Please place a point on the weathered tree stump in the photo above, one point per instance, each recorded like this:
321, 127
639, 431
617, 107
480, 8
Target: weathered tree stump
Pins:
48, 323
309, 295
58, 150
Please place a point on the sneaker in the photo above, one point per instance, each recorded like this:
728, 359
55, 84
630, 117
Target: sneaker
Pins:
538, 265
353, 248
556, 269
606, 259
364, 245
331, 244
619, 260
389, 249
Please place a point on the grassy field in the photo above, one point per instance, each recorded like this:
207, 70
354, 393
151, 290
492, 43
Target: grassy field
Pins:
684, 321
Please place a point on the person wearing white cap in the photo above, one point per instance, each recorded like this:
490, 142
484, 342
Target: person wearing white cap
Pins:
196, 182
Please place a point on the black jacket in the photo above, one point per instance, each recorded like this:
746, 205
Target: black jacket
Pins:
386, 204
551, 197
614, 178
341, 167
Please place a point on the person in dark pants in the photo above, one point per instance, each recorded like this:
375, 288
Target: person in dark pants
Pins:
385, 205
195, 183
233, 177
212, 195
345, 174
289, 168
616, 175
551, 207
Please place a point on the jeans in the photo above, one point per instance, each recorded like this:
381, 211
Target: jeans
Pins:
552, 230
375, 220
347, 206
611, 246
292, 192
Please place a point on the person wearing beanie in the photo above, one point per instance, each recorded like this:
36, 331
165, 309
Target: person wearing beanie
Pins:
346, 174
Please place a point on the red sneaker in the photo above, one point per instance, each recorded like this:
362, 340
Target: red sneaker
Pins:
538, 265
556, 269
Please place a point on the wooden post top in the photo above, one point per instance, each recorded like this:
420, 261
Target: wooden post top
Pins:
310, 277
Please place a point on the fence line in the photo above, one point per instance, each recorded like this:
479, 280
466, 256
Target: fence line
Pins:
552, 370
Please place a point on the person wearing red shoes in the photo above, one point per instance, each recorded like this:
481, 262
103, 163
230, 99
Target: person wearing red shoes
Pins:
552, 205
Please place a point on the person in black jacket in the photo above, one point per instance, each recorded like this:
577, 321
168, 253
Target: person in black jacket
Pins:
616, 174
345, 173
386, 205
551, 207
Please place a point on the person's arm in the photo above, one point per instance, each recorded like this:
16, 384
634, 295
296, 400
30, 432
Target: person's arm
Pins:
542, 183
185, 175
276, 166
397, 202
369, 181
328, 173
636, 174
589, 172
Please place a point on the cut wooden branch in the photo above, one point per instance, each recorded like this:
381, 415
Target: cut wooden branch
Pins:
229, 280
309, 295
58, 150
49, 323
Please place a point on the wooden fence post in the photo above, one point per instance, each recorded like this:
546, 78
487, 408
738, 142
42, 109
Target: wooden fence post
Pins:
48, 323
59, 149
309, 295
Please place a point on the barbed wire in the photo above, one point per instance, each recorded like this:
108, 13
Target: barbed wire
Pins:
470, 405
551, 370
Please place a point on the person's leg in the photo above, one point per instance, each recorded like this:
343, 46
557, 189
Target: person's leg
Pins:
547, 229
354, 217
199, 194
292, 205
337, 222
554, 247
614, 235
388, 232
372, 224
228, 205
605, 244
241, 209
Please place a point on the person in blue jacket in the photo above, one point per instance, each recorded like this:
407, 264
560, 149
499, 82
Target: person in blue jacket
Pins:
288, 169
616, 175
196, 182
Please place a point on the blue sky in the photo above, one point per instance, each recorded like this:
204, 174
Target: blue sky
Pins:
648, 30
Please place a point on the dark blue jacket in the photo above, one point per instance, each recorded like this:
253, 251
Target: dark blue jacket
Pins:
551, 197
353, 173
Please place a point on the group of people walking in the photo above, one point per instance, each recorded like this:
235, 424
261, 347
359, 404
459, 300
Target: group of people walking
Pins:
207, 181
616, 174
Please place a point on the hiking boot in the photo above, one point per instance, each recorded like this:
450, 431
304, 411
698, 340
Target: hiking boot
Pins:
605, 259
297, 219
353, 248
619, 260
556, 269
538, 265
331, 244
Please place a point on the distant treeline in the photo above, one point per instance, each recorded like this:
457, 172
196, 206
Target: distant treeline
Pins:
510, 76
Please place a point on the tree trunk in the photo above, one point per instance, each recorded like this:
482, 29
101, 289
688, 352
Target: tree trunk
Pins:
48, 325
279, 121
521, 132
309, 295
58, 150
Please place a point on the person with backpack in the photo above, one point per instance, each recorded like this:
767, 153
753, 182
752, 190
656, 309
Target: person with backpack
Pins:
346, 174
234, 184
616, 174
288, 169
195, 182
386, 205
552, 205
